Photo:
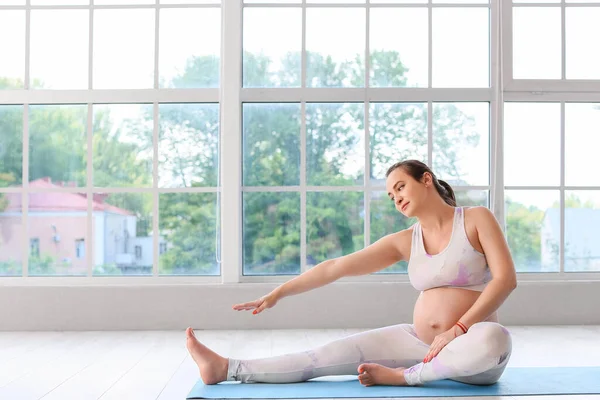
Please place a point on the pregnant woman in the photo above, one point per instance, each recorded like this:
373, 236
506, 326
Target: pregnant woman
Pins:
459, 261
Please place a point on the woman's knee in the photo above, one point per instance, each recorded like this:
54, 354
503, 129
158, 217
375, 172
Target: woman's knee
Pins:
496, 337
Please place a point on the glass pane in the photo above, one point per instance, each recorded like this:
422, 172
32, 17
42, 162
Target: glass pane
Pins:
59, 3
188, 148
472, 198
271, 233
272, 60
59, 49
11, 234
385, 220
185, 61
334, 225
335, 57
528, 126
396, 1
582, 230
582, 141
12, 48
398, 45
335, 149
13, 3
123, 234
123, 145
537, 1
532, 242
460, 1
582, 31
188, 234
335, 1
272, 1
11, 145
536, 52
271, 144
398, 131
57, 232
461, 143
58, 144
123, 57
190, 1
461, 47
121, 2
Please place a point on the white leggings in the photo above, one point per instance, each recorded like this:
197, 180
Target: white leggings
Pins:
477, 357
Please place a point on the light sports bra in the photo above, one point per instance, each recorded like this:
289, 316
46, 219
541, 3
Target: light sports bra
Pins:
458, 265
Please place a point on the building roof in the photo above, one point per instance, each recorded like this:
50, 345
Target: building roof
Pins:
59, 201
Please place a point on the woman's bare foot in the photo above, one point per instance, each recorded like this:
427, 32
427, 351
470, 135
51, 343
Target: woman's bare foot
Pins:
213, 367
375, 374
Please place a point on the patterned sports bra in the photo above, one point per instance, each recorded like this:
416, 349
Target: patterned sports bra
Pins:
458, 265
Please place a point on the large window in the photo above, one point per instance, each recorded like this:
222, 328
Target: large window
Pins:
314, 160
109, 138
248, 140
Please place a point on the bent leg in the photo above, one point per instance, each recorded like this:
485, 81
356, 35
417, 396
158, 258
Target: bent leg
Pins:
393, 346
478, 357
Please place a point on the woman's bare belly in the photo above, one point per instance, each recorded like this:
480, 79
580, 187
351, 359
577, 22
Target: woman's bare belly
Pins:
438, 309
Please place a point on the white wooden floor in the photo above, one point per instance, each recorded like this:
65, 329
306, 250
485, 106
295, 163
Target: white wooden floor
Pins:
155, 365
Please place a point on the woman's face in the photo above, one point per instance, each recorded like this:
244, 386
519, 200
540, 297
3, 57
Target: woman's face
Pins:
406, 193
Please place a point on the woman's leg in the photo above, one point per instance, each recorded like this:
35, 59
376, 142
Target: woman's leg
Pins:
393, 346
478, 357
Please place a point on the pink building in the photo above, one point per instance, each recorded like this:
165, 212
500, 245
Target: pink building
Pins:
58, 228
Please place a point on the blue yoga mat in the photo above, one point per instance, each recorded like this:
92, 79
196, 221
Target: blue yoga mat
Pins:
514, 382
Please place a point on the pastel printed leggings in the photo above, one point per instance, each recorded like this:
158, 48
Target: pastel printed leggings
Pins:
478, 357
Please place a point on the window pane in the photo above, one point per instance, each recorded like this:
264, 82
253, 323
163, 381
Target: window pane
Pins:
58, 144
398, 131
385, 220
12, 48
335, 57
536, 52
56, 223
271, 233
188, 234
335, 1
11, 145
59, 49
582, 31
461, 47
399, 47
271, 144
581, 144
185, 61
334, 225
123, 145
582, 230
272, 60
188, 148
532, 240
528, 126
122, 228
272, 1
123, 57
396, 1
59, 3
11, 236
190, 1
121, 2
461, 143
335, 144
472, 198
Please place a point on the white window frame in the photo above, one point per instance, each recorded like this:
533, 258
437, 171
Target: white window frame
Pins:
231, 96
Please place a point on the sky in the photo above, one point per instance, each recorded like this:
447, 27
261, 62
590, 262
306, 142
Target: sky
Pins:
124, 58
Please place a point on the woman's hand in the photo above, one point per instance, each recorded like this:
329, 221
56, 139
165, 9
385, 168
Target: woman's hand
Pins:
441, 340
266, 301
